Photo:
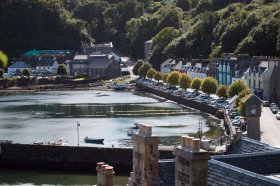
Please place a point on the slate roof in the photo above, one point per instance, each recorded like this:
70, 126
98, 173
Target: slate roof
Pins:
45, 63
253, 99
80, 57
221, 174
99, 63
20, 64
168, 61
167, 172
260, 162
247, 145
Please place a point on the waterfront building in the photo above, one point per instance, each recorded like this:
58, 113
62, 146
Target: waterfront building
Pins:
232, 68
94, 66
167, 65
103, 66
33, 56
196, 68
47, 65
18, 67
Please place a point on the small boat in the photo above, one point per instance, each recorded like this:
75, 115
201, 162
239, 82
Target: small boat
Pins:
94, 140
117, 87
38, 143
58, 142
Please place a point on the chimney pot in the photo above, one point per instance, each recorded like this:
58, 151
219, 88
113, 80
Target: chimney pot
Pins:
196, 144
189, 142
184, 141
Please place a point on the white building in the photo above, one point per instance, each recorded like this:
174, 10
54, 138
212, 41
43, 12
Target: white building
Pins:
18, 67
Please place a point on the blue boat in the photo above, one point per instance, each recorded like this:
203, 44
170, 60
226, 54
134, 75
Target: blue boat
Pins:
94, 140
117, 87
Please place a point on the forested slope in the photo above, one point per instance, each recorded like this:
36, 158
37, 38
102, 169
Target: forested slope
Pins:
194, 28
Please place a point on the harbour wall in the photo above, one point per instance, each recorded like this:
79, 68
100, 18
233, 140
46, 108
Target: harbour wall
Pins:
184, 101
67, 158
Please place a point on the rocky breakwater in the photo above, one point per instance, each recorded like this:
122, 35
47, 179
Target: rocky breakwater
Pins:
66, 158
184, 101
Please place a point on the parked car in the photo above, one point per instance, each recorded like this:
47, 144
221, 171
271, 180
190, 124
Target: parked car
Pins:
236, 123
275, 110
233, 114
278, 115
266, 103
272, 104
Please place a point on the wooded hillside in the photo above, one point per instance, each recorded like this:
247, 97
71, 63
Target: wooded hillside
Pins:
183, 28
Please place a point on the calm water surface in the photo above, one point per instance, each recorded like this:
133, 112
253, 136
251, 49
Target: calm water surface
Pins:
46, 116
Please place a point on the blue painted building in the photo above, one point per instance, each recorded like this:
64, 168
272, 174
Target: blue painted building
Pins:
226, 70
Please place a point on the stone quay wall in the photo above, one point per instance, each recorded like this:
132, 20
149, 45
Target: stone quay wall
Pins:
184, 101
67, 158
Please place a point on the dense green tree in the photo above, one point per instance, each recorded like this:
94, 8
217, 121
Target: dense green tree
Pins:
169, 17
26, 72
185, 81
43, 25
158, 76
143, 70
222, 91
164, 78
151, 72
162, 39
173, 78
183, 4
241, 107
241, 95
278, 41
196, 84
209, 85
137, 66
1, 73
262, 40
236, 87
61, 70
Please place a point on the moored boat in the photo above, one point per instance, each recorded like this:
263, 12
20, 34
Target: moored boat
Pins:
94, 140
117, 87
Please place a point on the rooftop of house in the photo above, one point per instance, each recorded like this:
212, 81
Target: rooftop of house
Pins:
80, 57
20, 64
168, 61
45, 62
99, 63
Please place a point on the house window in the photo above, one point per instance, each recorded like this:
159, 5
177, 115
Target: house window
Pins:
249, 82
254, 83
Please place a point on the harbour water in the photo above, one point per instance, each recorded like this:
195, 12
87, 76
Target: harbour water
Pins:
49, 115
46, 116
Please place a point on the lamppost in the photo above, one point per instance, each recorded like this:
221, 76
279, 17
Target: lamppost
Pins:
78, 124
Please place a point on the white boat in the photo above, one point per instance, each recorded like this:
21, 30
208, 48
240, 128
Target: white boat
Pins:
59, 142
